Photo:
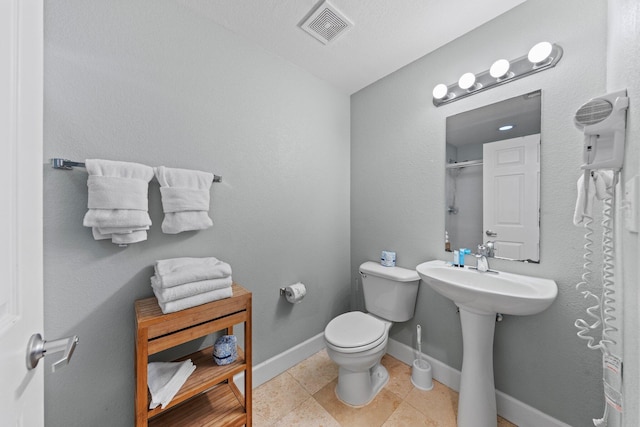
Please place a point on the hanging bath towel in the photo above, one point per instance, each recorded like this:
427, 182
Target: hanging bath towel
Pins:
118, 200
185, 199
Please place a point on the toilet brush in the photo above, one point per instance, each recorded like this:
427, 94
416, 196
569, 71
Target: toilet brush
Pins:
421, 371
419, 342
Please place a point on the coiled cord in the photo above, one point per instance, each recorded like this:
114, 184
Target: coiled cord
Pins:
608, 283
602, 313
593, 312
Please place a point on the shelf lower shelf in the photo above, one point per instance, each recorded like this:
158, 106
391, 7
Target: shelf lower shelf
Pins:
206, 375
217, 407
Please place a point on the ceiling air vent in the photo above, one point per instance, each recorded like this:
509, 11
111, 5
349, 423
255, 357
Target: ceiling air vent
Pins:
326, 23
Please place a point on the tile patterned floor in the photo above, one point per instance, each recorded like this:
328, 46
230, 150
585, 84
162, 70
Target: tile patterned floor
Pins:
304, 396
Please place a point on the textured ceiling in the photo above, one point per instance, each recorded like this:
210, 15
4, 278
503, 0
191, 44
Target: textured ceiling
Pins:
387, 34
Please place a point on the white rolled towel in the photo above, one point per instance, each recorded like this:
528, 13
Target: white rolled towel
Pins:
165, 380
599, 186
118, 200
195, 300
178, 271
188, 289
185, 199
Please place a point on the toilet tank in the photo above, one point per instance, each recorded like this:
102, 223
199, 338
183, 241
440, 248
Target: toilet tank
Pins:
389, 292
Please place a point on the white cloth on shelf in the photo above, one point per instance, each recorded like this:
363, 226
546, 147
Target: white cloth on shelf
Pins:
165, 380
117, 200
599, 186
188, 289
185, 199
178, 271
195, 300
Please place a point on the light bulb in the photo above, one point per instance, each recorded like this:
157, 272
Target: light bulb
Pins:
440, 91
467, 80
540, 52
500, 69
505, 127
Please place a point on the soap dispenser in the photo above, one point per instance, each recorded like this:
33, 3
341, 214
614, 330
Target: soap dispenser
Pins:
463, 252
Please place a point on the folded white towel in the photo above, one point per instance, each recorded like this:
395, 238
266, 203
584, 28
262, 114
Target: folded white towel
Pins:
195, 300
117, 200
165, 379
599, 185
121, 218
185, 199
120, 238
178, 271
188, 289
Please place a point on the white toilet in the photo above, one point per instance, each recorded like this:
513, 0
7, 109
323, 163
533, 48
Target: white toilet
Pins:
356, 341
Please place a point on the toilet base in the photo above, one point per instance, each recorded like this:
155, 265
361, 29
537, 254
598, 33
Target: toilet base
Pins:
358, 389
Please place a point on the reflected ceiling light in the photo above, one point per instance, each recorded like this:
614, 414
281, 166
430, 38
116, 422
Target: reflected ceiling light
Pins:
540, 53
506, 127
500, 69
440, 91
542, 56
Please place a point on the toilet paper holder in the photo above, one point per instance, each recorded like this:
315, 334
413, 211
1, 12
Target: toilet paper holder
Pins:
294, 293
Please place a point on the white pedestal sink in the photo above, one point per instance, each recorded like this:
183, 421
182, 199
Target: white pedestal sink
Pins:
480, 296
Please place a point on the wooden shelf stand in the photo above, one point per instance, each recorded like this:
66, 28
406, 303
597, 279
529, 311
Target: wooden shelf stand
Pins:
209, 397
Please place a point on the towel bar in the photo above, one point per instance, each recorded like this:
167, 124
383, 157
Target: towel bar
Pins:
65, 164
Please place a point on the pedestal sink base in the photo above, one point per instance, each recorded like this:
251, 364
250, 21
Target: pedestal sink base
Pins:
480, 296
477, 402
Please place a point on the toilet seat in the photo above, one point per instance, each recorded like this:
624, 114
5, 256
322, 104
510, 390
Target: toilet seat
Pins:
355, 332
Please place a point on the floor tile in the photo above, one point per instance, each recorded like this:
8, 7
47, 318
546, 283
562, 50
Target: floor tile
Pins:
372, 415
406, 415
305, 396
277, 397
399, 376
504, 423
315, 372
439, 404
308, 414
259, 421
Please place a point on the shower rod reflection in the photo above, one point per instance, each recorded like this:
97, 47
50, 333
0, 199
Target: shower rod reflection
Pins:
464, 164
65, 164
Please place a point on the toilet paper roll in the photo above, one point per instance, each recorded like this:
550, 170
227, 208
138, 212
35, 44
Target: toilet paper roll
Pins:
295, 293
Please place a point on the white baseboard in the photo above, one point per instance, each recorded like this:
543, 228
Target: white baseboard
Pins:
512, 409
279, 363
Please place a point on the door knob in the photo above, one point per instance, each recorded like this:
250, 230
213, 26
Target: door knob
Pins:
37, 348
491, 233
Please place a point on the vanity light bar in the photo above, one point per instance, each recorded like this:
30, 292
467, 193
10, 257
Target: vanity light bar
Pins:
542, 56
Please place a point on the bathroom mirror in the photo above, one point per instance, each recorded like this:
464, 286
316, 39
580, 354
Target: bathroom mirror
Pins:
493, 178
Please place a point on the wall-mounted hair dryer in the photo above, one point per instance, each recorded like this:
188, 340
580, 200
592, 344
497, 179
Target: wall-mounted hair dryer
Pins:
603, 121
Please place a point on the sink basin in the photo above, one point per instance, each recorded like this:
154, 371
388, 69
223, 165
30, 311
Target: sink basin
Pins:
488, 292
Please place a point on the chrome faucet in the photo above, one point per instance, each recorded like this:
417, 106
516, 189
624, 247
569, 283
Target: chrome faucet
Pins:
482, 263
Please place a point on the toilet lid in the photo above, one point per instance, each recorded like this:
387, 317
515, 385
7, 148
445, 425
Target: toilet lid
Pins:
354, 329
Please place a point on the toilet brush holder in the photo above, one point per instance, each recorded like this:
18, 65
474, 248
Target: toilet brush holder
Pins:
421, 376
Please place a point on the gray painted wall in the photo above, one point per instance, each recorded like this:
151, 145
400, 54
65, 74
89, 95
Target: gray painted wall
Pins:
397, 200
151, 82
623, 64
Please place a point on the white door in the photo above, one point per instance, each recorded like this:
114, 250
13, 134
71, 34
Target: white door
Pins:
511, 170
21, 47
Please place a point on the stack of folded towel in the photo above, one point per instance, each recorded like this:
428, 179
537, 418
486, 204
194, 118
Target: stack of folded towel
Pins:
118, 201
165, 379
185, 199
181, 283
